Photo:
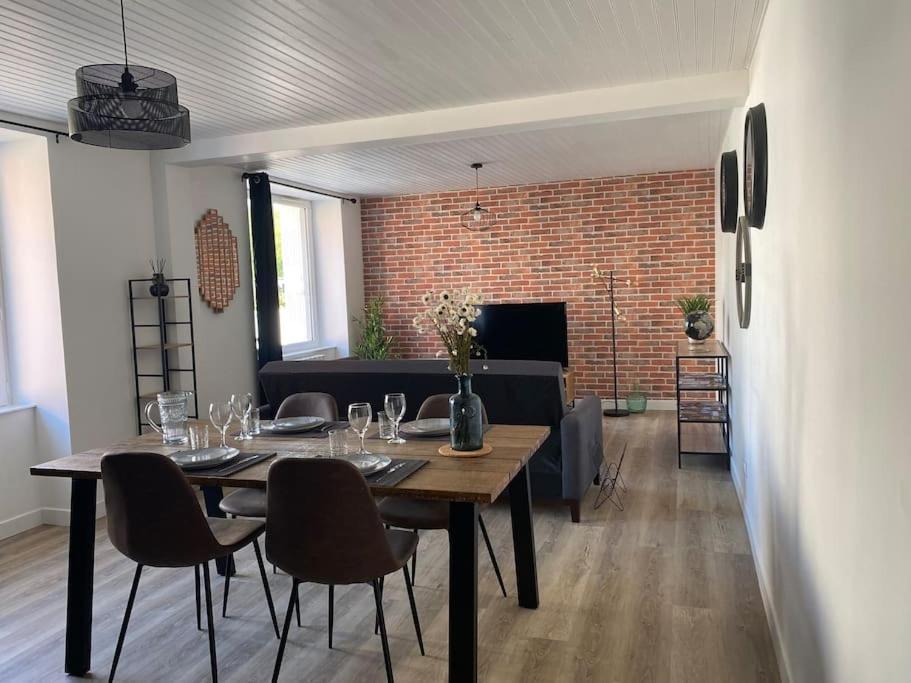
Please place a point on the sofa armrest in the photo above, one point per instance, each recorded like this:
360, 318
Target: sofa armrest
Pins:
582, 444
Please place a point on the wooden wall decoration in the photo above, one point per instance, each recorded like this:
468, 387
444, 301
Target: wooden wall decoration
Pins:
217, 269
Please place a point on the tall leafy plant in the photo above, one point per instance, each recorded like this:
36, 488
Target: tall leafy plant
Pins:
693, 304
375, 343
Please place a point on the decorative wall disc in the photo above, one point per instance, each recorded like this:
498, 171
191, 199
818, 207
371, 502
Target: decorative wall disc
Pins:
727, 191
216, 261
755, 165
743, 272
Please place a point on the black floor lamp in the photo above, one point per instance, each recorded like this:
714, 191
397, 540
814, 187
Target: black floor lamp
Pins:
608, 280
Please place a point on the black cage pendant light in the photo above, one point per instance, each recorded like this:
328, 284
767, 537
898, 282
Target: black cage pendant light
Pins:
127, 107
477, 219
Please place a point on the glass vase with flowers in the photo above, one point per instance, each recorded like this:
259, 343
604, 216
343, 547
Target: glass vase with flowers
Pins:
450, 315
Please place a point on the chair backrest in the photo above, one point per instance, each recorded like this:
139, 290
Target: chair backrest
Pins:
153, 516
309, 403
323, 524
438, 406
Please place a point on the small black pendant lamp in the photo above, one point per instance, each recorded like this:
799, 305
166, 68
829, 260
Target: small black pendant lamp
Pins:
477, 219
127, 107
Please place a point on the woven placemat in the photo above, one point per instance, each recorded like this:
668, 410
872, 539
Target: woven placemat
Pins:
399, 470
242, 462
319, 433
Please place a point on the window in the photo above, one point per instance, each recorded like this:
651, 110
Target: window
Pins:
294, 261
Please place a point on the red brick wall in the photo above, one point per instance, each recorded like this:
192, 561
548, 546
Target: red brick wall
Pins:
655, 230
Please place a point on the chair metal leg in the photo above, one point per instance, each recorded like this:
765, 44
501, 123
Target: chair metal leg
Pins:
297, 603
376, 624
210, 620
126, 620
224, 601
493, 557
414, 609
378, 596
331, 611
281, 643
262, 574
198, 601
414, 561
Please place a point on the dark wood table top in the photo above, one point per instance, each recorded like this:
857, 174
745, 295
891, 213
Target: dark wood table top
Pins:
479, 480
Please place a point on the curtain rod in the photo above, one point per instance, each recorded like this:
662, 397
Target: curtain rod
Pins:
302, 188
55, 133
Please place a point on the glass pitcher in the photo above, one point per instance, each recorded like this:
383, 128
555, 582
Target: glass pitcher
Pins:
172, 410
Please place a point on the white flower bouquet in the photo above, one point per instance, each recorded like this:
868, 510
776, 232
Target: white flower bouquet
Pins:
451, 314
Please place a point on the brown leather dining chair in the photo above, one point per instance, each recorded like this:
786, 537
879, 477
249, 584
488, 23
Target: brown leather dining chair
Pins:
324, 527
252, 502
410, 513
154, 518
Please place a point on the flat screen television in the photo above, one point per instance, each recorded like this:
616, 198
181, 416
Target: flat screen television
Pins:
534, 331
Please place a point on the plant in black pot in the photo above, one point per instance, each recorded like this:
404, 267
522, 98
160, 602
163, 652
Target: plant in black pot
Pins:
159, 286
450, 315
697, 322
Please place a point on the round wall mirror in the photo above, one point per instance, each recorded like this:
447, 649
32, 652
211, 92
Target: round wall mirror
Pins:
743, 273
727, 191
755, 165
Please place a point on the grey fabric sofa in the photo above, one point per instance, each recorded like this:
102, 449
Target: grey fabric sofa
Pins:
513, 392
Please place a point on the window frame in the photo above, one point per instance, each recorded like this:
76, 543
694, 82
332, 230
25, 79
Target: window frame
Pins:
306, 228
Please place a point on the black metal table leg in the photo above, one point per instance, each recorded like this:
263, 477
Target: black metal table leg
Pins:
463, 592
213, 496
78, 658
523, 540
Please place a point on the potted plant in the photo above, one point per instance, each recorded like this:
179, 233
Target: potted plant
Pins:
375, 343
450, 315
697, 322
636, 400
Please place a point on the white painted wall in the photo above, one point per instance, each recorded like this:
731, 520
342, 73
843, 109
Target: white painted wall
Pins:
225, 345
821, 377
34, 335
104, 236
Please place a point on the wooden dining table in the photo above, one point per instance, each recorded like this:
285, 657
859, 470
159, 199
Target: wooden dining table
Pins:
465, 483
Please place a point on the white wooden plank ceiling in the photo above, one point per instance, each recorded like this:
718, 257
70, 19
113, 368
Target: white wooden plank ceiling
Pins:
248, 66
620, 148
245, 66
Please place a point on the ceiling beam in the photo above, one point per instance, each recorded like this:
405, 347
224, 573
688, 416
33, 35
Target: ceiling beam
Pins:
709, 92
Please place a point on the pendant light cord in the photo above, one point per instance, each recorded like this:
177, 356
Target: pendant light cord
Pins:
477, 186
123, 24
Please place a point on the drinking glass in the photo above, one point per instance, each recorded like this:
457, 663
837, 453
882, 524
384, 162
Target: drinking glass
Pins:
199, 436
220, 413
359, 417
241, 404
338, 443
254, 422
385, 425
395, 410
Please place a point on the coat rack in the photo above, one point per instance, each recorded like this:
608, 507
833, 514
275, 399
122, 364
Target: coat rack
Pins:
609, 282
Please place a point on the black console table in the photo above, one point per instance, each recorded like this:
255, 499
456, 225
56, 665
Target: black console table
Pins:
713, 383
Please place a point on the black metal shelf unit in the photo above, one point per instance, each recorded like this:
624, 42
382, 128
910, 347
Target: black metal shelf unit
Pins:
701, 410
171, 316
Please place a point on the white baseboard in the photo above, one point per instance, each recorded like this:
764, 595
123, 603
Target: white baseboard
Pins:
32, 518
19, 523
784, 668
653, 403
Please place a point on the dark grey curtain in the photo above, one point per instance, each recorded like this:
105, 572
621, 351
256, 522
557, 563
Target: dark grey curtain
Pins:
265, 270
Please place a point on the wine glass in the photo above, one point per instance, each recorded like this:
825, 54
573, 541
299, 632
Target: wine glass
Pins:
395, 410
359, 417
241, 404
220, 415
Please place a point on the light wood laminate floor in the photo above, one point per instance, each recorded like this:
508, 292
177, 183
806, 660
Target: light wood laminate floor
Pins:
663, 591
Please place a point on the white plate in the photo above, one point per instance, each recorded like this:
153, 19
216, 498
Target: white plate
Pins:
435, 426
203, 458
369, 463
293, 425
